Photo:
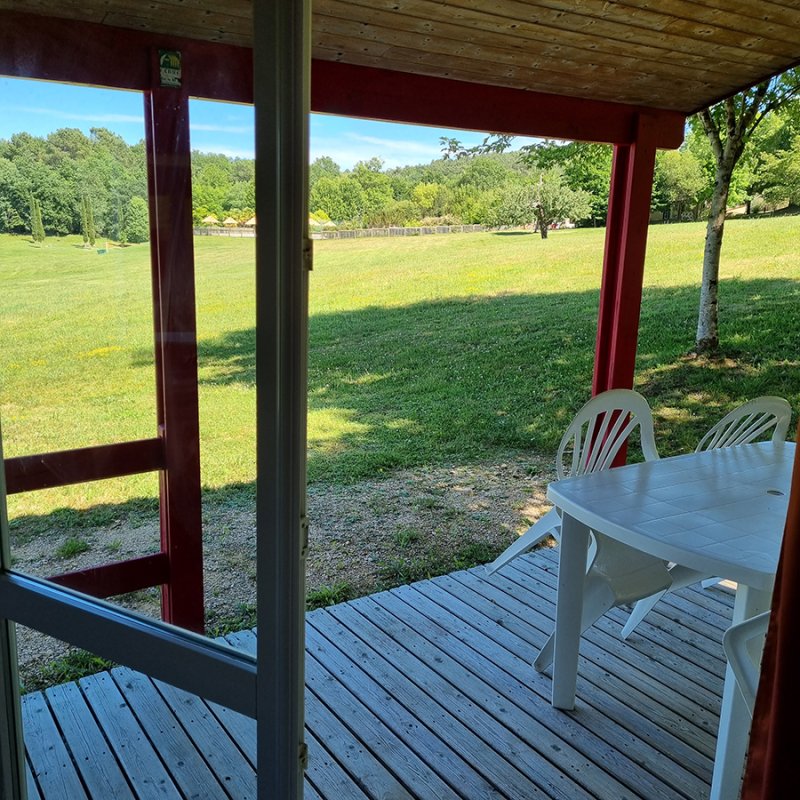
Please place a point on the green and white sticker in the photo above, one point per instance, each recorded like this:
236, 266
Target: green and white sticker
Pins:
169, 62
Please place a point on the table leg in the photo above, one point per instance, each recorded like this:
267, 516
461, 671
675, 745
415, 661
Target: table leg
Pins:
734, 718
571, 572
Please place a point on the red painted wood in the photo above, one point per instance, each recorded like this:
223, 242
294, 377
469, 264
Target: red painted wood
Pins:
77, 52
47, 48
46, 470
172, 256
623, 263
356, 91
112, 579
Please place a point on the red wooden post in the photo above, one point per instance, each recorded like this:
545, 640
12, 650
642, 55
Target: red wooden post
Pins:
623, 263
172, 257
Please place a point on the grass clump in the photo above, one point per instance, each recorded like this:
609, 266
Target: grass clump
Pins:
71, 667
72, 546
339, 592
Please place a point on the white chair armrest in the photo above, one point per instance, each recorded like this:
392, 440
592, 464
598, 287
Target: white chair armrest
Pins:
736, 641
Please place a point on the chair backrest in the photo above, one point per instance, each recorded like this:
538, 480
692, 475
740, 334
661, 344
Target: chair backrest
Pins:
749, 422
601, 428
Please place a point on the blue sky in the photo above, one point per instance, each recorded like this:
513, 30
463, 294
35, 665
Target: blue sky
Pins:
39, 108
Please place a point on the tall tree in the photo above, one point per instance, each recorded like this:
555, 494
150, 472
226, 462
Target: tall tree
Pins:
136, 227
84, 222
91, 231
729, 125
37, 228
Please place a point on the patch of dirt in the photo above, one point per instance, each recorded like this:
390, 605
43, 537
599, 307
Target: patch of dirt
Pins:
363, 537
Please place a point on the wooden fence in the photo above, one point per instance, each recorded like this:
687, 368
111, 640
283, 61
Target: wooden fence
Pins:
352, 234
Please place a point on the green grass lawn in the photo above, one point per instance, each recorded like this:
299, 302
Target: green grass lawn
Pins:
429, 350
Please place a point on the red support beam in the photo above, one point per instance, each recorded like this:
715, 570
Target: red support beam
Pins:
172, 256
44, 471
33, 46
355, 91
623, 262
125, 576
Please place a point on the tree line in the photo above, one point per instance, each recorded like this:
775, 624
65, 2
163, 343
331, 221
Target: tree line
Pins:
68, 182
71, 177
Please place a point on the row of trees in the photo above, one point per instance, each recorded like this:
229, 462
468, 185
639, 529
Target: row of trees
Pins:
82, 184
496, 189
555, 180
74, 177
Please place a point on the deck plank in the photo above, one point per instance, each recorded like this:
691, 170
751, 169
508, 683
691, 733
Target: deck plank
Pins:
515, 654
326, 776
184, 762
693, 638
338, 740
137, 756
425, 691
496, 727
30, 781
50, 760
212, 740
671, 690
608, 664
89, 748
444, 737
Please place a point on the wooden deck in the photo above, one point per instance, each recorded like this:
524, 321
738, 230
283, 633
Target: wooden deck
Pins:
421, 692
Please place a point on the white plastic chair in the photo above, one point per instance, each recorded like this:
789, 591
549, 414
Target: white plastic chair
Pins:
590, 443
747, 423
743, 644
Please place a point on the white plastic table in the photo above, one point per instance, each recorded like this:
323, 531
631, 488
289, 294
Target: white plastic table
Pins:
722, 511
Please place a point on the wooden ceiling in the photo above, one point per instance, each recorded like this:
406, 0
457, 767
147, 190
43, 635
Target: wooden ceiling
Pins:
670, 54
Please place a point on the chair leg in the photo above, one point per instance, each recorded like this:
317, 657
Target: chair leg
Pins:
597, 599
538, 532
640, 610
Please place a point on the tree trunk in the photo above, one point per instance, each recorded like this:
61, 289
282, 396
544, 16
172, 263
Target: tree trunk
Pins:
543, 231
707, 340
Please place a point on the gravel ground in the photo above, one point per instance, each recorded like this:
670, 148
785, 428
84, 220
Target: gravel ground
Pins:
362, 537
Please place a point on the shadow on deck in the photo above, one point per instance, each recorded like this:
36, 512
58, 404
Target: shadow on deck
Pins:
425, 691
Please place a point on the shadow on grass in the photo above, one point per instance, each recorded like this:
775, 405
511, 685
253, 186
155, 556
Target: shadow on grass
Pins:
466, 380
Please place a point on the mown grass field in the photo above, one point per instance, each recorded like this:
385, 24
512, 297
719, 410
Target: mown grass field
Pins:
431, 350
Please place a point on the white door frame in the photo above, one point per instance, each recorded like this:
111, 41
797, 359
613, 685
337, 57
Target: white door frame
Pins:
273, 692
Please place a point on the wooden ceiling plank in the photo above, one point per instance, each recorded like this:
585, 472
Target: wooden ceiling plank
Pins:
532, 80
763, 17
629, 31
172, 20
409, 60
730, 25
543, 47
681, 18
87, 12
671, 53
531, 62
599, 45
782, 12
148, 24
236, 8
